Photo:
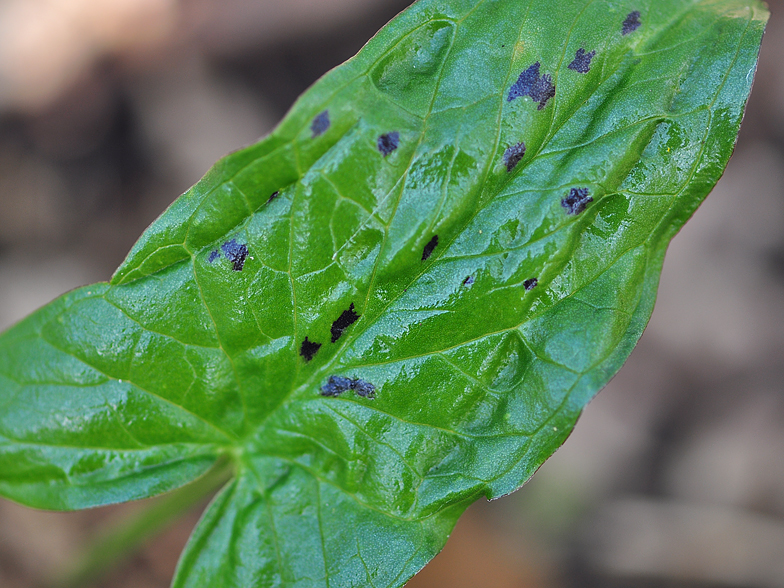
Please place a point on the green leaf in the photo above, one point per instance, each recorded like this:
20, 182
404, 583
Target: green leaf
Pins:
400, 300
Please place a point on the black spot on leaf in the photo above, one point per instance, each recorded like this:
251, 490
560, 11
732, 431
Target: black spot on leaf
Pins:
632, 23
337, 385
530, 284
468, 281
576, 201
513, 155
235, 253
430, 247
388, 143
539, 87
320, 124
274, 195
309, 349
582, 61
213, 256
344, 321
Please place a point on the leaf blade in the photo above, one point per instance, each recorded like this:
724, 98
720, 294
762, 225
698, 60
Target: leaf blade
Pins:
464, 228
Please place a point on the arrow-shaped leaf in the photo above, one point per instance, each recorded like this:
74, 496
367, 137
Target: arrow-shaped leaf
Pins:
400, 300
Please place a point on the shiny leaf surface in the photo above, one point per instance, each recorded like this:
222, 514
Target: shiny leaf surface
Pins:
400, 300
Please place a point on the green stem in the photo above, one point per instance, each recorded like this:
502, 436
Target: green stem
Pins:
123, 540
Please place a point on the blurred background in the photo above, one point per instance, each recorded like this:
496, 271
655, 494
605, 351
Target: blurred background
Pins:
674, 476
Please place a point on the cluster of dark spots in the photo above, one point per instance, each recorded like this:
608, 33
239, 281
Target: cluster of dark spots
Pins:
336, 385
577, 200
274, 195
513, 155
388, 142
343, 322
235, 253
309, 349
430, 247
632, 23
582, 61
530, 284
213, 256
320, 124
468, 281
539, 87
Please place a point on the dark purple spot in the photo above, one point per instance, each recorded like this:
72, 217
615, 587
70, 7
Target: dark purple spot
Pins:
582, 61
530, 83
522, 87
213, 256
388, 143
530, 284
335, 386
632, 23
468, 281
363, 388
274, 195
320, 124
513, 155
543, 90
576, 201
344, 321
430, 247
309, 349
235, 253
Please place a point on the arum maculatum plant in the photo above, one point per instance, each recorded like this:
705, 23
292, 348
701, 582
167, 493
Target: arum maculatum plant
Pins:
400, 300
